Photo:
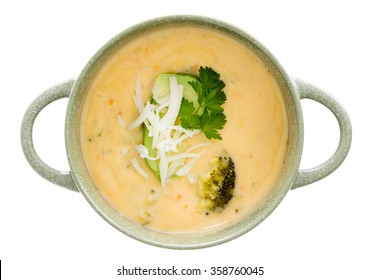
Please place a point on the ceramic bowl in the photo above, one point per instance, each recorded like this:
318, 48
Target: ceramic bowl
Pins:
78, 179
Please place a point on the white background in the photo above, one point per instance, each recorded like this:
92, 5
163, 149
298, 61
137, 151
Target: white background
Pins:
328, 230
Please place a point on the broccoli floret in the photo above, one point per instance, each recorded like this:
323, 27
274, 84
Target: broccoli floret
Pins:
216, 187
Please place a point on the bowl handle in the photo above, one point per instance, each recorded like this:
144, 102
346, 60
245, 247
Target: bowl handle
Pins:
312, 175
63, 179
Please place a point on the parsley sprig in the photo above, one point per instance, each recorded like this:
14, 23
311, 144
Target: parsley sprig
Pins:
209, 116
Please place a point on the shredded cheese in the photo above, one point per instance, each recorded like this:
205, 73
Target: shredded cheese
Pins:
124, 150
163, 165
138, 90
121, 121
194, 147
138, 168
187, 167
167, 137
192, 179
176, 94
182, 155
143, 152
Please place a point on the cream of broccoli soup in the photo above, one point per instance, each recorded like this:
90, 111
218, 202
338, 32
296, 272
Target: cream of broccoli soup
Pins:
184, 130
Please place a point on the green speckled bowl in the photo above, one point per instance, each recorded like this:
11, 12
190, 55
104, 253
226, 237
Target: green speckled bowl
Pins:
78, 179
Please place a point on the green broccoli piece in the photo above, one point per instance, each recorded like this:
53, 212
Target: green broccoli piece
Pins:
216, 187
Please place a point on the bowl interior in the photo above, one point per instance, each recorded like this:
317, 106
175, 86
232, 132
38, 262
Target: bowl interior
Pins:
181, 241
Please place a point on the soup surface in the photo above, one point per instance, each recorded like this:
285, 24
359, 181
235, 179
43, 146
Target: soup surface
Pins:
255, 135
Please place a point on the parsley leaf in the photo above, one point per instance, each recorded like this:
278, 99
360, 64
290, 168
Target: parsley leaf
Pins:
187, 117
215, 100
210, 79
209, 116
211, 122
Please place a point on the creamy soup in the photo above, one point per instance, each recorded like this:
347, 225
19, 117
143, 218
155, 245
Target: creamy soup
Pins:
255, 134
